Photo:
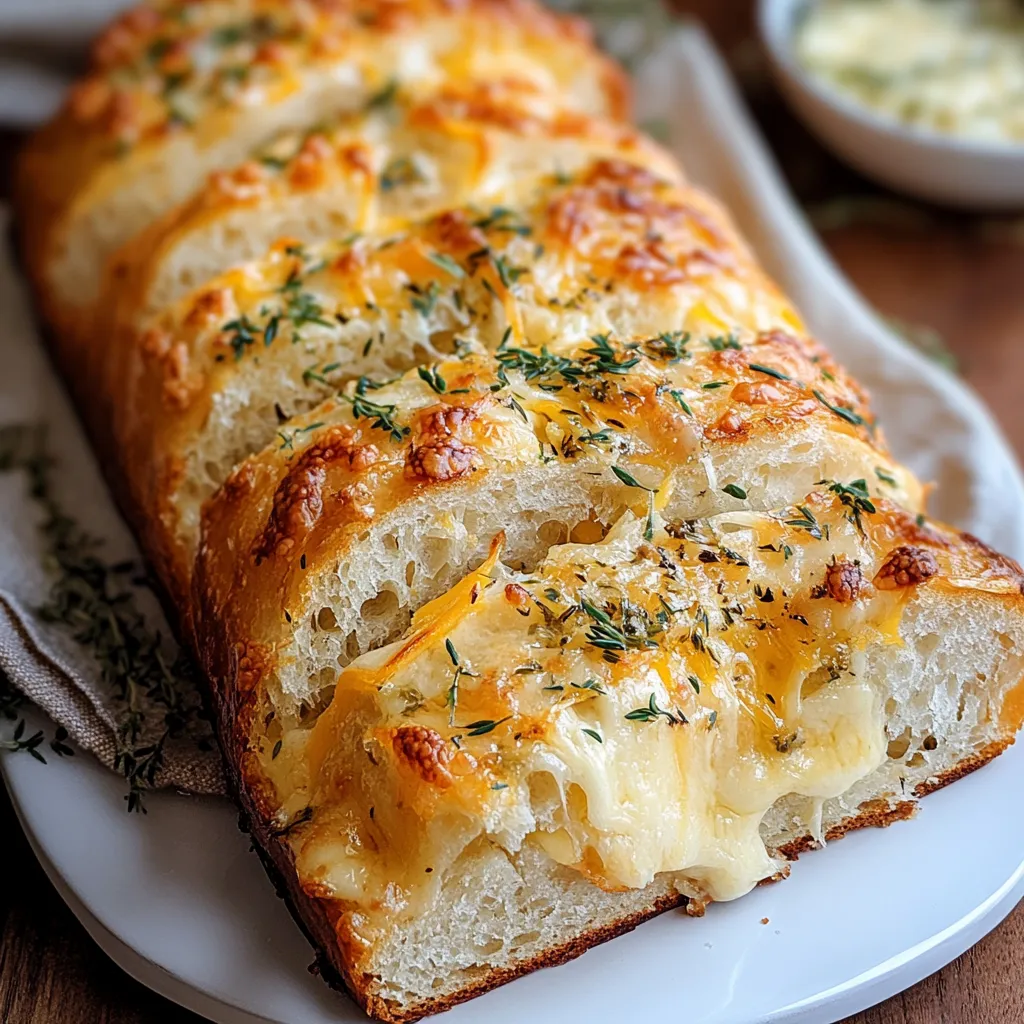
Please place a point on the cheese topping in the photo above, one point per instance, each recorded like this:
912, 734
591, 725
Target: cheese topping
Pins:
952, 66
633, 707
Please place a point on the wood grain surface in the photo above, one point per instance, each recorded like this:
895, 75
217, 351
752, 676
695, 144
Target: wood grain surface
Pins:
955, 282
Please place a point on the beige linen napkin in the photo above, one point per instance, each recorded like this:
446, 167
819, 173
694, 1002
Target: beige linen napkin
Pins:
65, 554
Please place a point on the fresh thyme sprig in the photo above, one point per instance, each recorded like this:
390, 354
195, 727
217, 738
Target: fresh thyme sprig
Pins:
854, 496
383, 416
11, 702
91, 599
609, 638
652, 713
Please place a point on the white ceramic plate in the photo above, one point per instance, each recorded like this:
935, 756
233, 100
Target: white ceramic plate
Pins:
178, 900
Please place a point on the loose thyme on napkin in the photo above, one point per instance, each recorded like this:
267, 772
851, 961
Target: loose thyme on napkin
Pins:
81, 634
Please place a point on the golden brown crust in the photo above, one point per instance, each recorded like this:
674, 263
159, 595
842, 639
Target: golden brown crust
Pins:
906, 566
171, 81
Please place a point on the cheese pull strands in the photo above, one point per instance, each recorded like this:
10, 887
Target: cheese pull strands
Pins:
679, 685
545, 572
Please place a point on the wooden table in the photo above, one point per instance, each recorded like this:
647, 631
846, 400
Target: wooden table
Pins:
961, 276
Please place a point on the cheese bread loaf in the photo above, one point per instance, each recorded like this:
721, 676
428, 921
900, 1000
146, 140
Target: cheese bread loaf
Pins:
545, 572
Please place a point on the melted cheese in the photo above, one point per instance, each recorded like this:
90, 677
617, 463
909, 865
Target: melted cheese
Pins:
953, 66
629, 707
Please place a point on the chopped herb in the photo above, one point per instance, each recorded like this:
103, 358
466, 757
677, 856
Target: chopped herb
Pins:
591, 684
840, 410
383, 97
652, 713
886, 478
594, 734
399, 172
608, 637
270, 331
241, 335
604, 356
446, 263
434, 379
735, 491
502, 219
452, 653
452, 698
302, 308
484, 726
383, 416
424, 302
276, 751
226, 35
670, 345
631, 481
722, 342
806, 521
713, 384
854, 497
677, 397
508, 274
777, 374
29, 745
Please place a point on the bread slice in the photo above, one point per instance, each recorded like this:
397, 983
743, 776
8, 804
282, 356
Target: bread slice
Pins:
403, 157
895, 652
248, 361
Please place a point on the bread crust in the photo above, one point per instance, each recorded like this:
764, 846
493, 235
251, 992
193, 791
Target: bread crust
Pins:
340, 953
334, 964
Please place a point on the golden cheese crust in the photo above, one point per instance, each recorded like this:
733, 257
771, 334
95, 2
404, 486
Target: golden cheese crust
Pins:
402, 157
554, 303
767, 589
178, 89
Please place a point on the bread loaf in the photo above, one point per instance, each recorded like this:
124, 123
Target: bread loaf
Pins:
546, 573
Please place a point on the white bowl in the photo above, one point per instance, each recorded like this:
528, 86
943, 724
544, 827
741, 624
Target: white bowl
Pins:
946, 169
